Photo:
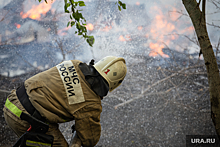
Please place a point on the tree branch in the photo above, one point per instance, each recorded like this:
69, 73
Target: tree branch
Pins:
154, 84
203, 10
209, 57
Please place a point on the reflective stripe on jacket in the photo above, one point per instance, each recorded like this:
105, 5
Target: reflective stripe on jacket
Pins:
14, 109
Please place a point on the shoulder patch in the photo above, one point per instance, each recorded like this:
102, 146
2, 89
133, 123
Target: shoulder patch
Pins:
71, 82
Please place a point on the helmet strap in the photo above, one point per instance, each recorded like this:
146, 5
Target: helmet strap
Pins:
98, 84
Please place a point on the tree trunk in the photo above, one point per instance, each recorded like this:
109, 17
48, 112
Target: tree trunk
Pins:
199, 22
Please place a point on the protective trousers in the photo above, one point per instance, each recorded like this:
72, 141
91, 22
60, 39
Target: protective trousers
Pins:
20, 126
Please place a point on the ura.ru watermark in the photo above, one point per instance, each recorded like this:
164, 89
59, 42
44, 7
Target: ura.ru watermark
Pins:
202, 140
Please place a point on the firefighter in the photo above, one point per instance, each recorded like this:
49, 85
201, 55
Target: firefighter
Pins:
72, 90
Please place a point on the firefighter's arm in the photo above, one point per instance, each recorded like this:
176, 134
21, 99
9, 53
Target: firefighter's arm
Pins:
87, 125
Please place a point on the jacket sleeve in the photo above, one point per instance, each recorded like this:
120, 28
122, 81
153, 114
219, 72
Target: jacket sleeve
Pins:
87, 125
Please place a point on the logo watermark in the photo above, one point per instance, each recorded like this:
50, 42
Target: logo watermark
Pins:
202, 141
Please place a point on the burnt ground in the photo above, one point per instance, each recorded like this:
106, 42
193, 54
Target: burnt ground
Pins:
155, 106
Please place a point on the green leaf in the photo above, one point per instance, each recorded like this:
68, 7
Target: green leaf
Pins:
45, 1
124, 6
67, 11
39, 0
78, 26
120, 3
76, 3
85, 36
84, 29
72, 23
81, 3
66, 7
68, 4
119, 8
68, 24
90, 40
71, 17
77, 15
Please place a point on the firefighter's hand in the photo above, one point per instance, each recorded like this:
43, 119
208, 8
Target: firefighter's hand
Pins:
75, 141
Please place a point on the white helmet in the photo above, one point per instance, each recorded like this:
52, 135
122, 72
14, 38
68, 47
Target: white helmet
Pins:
113, 70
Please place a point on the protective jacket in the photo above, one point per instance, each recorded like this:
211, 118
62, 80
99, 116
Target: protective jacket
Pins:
62, 94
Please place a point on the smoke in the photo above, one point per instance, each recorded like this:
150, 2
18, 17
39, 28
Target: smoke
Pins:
144, 28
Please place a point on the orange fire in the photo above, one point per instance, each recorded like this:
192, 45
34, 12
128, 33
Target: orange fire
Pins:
37, 10
140, 28
63, 32
17, 25
157, 49
188, 29
121, 38
127, 38
160, 27
163, 30
106, 28
89, 27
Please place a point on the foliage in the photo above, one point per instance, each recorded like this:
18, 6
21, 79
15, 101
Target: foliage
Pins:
121, 5
77, 19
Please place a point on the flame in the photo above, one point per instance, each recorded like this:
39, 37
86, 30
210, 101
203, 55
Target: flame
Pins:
89, 27
128, 38
157, 49
160, 27
106, 28
62, 32
37, 10
163, 31
121, 38
17, 25
188, 29
140, 28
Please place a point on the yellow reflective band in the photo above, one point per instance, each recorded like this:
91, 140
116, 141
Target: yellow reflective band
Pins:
64, 120
14, 109
37, 144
